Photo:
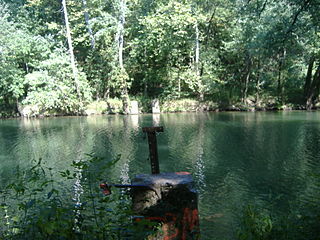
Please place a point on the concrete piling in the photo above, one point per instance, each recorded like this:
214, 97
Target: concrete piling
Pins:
134, 107
155, 106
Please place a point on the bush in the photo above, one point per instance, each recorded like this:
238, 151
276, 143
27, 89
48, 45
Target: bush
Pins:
34, 207
52, 87
258, 223
181, 105
97, 107
187, 105
114, 105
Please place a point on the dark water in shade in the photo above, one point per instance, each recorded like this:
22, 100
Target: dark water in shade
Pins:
236, 158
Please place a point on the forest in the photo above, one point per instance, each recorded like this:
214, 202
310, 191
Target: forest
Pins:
63, 55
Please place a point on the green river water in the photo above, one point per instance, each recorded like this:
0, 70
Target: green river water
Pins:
236, 159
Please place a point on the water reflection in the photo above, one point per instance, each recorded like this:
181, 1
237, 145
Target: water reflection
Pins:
199, 139
156, 119
130, 128
78, 186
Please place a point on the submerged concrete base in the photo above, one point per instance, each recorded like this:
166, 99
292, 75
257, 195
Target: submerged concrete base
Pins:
171, 200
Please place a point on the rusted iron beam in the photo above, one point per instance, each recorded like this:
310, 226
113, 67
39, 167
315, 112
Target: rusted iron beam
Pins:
153, 148
152, 129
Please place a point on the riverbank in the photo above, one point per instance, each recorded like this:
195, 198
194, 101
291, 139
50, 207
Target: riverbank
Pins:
114, 106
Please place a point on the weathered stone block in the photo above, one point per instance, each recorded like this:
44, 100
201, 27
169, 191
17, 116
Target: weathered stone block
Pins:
134, 108
155, 106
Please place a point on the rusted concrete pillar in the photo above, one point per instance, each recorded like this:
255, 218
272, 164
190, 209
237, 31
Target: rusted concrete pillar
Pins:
171, 200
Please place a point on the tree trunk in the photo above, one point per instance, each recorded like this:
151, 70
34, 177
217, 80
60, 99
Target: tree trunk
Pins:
179, 86
106, 93
145, 89
245, 92
197, 63
308, 81
314, 90
120, 41
316, 86
121, 32
247, 78
87, 20
69, 39
258, 85
197, 49
280, 83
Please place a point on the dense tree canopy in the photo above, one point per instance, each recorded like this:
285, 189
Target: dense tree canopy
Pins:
257, 51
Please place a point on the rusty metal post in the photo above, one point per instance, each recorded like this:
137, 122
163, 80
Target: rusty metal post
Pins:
153, 148
169, 199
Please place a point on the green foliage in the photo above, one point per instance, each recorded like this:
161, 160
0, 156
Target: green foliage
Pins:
20, 52
114, 105
96, 107
51, 86
187, 105
35, 73
163, 47
111, 106
262, 224
119, 79
256, 225
223, 51
179, 105
35, 206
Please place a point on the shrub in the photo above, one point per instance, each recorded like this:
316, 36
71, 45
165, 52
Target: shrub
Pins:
187, 105
52, 87
114, 105
34, 207
97, 107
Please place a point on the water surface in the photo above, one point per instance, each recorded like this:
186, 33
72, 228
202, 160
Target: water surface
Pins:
236, 159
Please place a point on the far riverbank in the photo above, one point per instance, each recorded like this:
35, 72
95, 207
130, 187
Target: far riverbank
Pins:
115, 106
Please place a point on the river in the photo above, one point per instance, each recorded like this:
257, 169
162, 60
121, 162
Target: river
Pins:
263, 158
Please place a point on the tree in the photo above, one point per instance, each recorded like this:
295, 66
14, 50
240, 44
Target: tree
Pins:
262, 52
122, 75
51, 86
72, 58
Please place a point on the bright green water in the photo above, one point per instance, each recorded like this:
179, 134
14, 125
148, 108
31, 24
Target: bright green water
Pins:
235, 158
